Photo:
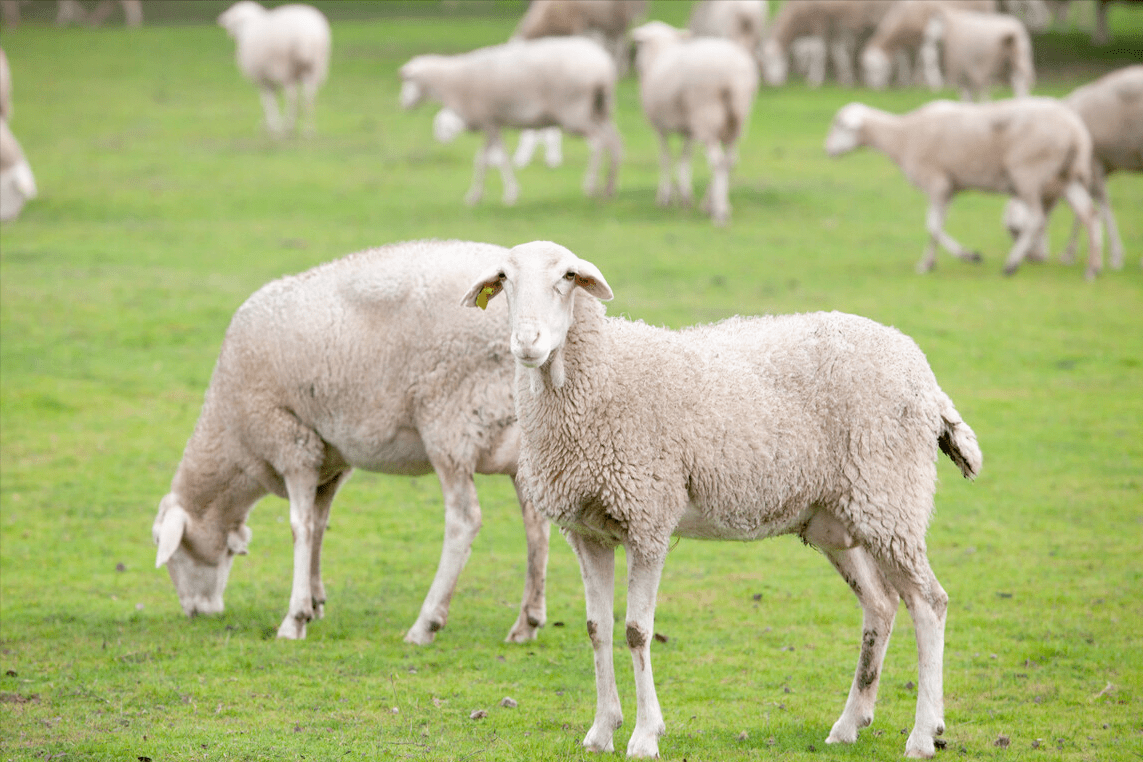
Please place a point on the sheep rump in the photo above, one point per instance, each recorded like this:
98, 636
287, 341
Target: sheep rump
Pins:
363, 362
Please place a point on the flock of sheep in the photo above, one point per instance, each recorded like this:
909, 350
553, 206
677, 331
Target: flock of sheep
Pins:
824, 425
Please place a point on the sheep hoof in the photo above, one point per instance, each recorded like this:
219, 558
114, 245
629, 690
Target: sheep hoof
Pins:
1091, 273
975, 256
293, 627
1010, 269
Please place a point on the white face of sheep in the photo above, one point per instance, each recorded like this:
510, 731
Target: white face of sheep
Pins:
845, 132
197, 558
539, 280
237, 16
876, 68
775, 67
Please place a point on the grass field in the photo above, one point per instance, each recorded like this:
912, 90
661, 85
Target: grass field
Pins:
163, 206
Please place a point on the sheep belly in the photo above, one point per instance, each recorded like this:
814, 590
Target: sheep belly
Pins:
401, 453
695, 524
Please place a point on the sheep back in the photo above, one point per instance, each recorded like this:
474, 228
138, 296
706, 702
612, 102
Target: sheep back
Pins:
287, 44
1112, 109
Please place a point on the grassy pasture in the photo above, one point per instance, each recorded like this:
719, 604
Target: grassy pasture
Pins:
163, 206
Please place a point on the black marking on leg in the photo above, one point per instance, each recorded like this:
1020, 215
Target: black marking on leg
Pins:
635, 637
867, 673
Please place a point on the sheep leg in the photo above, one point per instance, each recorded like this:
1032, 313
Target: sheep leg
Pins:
323, 501
591, 177
597, 567
841, 49
717, 199
1103, 205
1082, 205
302, 487
498, 157
684, 177
663, 193
643, 576
553, 146
529, 139
614, 145
1068, 255
1031, 233
879, 608
533, 608
290, 107
479, 166
308, 88
935, 223
270, 108
462, 522
928, 606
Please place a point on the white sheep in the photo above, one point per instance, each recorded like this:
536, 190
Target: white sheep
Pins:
17, 184
837, 23
900, 35
567, 82
365, 362
823, 425
743, 21
703, 89
1035, 149
5, 87
282, 49
1112, 110
977, 49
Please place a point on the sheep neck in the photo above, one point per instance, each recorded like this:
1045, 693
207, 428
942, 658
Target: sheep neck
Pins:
884, 132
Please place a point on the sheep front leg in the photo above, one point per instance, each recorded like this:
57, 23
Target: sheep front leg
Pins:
642, 589
498, 157
289, 107
1103, 205
683, 174
663, 193
307, 119
533, 608
302, 491
1032, 232
717, 199
462, 522
323, 500
270, 109
935, 223
1082, 205
479, 166
597, 567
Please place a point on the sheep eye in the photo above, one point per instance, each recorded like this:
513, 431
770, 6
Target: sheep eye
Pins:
569, 275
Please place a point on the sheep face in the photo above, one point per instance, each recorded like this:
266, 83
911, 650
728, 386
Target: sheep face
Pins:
775, 68
234, 18
539, 280
875, 68
197, 558
845, 131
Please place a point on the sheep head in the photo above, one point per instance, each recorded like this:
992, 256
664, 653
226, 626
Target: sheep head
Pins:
540, 280
845, 131
234, 18
651, 38
198, 556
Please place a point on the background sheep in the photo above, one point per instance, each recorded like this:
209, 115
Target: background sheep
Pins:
900, 35
703, 89
1112, 110
977, 49
555, 81
606, 21
1035, 149
364, 362
822, 425
286, 48
840, 24
742, 21
17, 184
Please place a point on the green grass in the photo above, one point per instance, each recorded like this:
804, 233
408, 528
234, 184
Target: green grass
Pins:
163, 207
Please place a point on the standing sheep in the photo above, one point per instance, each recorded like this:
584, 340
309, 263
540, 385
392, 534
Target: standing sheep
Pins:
1034, 149
567, 82
743, 21
703, 89
285, 48
17, 184
365, 362
1112, 110
824, 425
840, 24
978, 49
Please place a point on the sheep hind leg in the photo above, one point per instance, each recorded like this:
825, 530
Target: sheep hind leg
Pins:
1033, 231
290, 108
302, 487
597, 567
270, 109
498, 157
663, 192
1082, 205
462, 522
879, 607
308, 99
935, 223
717, 199
683, 176
533, 608
1103, 205
323, 501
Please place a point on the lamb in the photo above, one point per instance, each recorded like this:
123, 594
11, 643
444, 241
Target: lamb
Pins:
1112, 110
839, 22
704, 89
1035, 149
555, 81
363, 362
977, 49
742, 21
285, 48
901, 34
824, 425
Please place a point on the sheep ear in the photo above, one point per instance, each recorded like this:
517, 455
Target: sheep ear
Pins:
238, 539
483, 290
169, 533
590, 279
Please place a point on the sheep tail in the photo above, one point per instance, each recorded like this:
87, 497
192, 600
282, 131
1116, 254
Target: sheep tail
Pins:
732, 124
958, 441
601, 104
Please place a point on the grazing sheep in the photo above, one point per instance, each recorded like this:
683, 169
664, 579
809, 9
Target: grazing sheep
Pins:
17, 184
606, 21
900, 35
567, 82
71, 12
365, 362
978, 49
1112, 110
285, 48
839, 23
742, 21
1035, 149
703, 89
823, 425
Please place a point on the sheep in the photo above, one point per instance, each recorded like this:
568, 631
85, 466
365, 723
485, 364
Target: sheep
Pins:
554, 81
703, 89
17, 184
823, 425
839, 22
901, 33
1112, 110
977, 49
742, 21
363, 362
285, 48
1035, 149
70, 11
5, 87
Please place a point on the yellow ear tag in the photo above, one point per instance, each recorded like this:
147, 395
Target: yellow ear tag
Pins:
482, 297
